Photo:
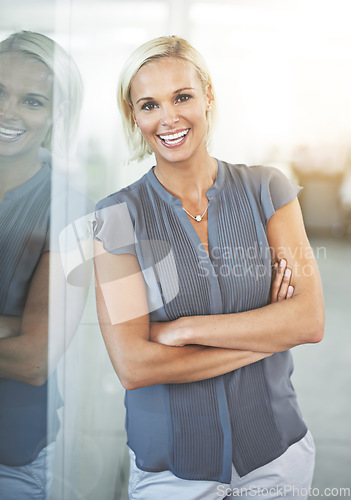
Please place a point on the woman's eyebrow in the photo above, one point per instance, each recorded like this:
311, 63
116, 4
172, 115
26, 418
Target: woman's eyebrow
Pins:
174, 93
29, 94
144, 99
182, 90
33, 94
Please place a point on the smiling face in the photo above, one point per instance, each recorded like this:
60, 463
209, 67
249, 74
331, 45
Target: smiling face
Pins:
26, 96
169, 106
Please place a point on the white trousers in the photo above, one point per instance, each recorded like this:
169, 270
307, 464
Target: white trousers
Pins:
289, 477
29, 482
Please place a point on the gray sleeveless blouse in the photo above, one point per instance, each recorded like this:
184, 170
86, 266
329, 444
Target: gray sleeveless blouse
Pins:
249, 416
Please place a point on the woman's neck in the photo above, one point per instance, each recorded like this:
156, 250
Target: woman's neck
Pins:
189, 180
16, 171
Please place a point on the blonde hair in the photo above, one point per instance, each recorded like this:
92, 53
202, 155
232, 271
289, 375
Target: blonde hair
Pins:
66, 76
165, 46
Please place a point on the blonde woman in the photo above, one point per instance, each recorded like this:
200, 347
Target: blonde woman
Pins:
40, 89
183, 266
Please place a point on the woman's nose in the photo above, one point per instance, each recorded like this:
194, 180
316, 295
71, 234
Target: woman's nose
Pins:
8, 108
169, 116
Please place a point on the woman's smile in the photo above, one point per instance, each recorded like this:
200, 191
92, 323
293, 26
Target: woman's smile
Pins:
9, 134
174, 139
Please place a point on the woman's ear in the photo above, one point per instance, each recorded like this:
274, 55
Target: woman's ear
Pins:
210, 96
133, 114
60, 111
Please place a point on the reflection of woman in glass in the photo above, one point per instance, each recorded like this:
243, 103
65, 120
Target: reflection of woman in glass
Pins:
204, 359
32, 68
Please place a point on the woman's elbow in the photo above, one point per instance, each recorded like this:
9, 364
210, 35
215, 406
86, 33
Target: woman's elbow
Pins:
36, 375
128, 381
314, 330
318, 332
131, 375
131, 385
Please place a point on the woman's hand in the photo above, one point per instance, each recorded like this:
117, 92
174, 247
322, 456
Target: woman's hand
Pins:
10, 326
169, 332
281, 277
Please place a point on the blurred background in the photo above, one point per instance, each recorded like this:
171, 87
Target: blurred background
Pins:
282, 75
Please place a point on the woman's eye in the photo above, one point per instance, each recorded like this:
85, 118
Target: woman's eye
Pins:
32, 102
148, 106
183, 97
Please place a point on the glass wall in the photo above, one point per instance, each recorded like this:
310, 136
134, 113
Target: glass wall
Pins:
282, 74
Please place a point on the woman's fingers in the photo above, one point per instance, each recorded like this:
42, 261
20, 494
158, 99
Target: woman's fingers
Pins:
281, 276
285, 283
277, 278
290, 293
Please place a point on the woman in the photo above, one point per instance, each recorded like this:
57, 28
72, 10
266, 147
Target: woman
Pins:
183, 266
40, 88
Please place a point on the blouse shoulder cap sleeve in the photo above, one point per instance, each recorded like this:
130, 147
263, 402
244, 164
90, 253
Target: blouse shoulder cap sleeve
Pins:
113, 226
273, 188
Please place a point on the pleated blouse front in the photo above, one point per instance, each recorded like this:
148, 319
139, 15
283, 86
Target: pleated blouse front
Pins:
24, 236
248, 416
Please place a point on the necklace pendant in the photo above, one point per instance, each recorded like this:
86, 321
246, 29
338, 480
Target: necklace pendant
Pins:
198, 218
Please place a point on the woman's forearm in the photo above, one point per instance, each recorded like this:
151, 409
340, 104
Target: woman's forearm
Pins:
275, 327
141, 363
24, 358
192, 366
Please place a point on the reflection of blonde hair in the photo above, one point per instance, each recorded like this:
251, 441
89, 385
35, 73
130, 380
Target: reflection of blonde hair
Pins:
67, 78
166, 46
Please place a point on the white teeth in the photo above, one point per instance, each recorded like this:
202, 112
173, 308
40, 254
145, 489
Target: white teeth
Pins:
10, 133
174, 137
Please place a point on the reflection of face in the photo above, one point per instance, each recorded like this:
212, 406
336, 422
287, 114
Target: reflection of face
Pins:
169, 106
26, 95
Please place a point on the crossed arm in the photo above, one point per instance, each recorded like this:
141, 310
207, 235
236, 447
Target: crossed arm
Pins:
24, 355
23, 346
281, 324
200, 347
